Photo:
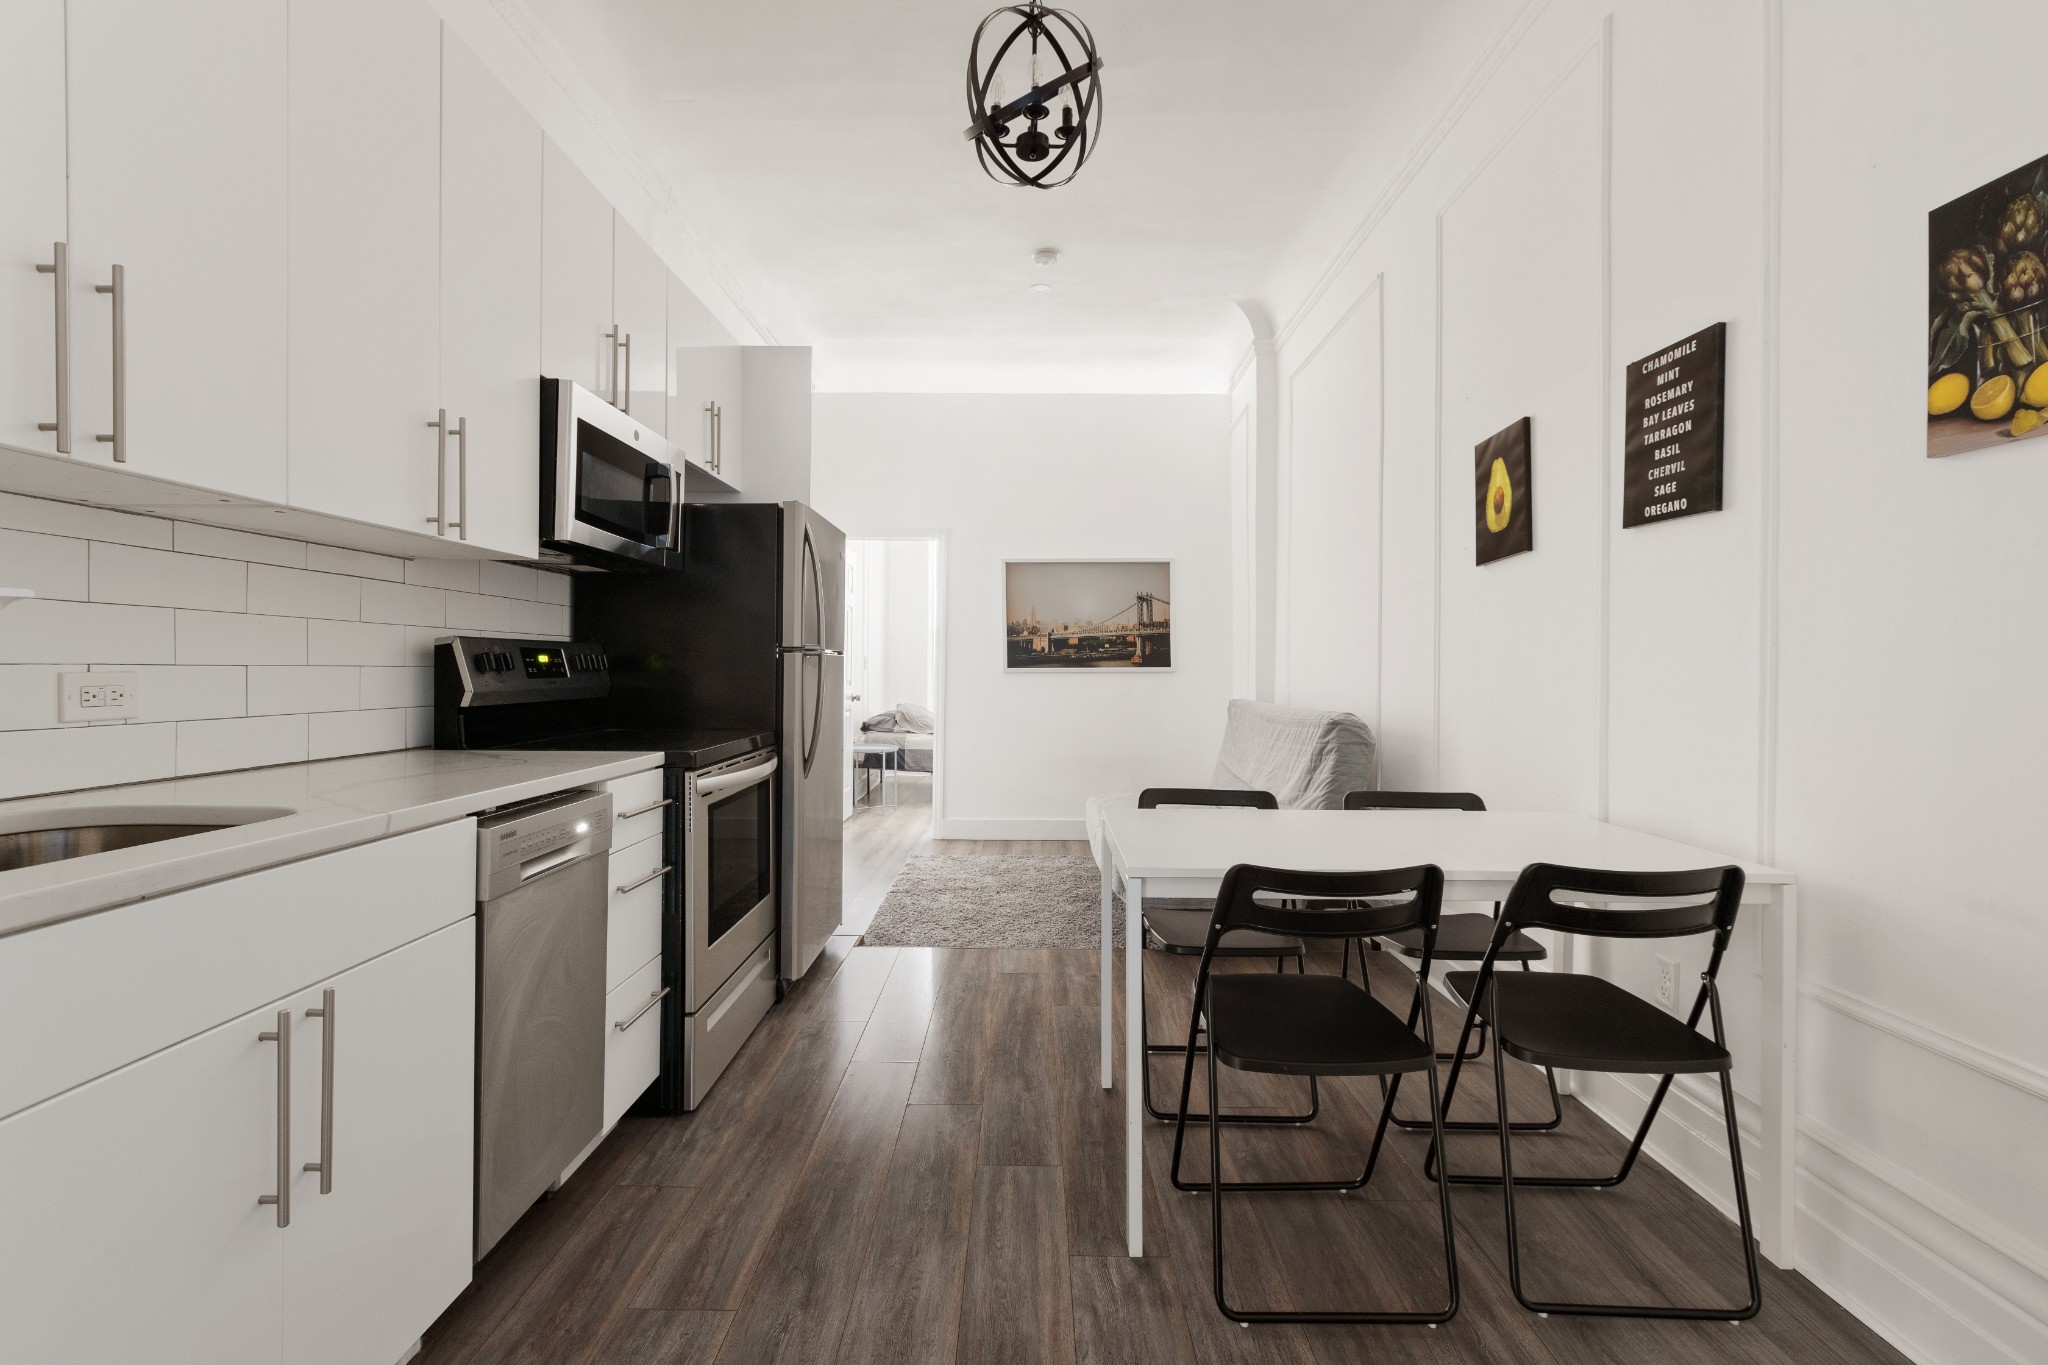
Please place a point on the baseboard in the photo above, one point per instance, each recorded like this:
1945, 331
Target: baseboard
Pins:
1921, 1270
953, 828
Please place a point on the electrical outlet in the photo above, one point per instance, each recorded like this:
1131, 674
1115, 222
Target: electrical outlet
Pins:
98, 696
1667, 982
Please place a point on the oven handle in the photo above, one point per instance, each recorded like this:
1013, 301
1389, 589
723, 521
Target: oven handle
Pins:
745, 777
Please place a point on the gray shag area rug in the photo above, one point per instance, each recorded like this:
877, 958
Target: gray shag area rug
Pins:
994, 901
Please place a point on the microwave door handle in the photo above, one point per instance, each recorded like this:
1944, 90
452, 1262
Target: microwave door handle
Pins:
666, 477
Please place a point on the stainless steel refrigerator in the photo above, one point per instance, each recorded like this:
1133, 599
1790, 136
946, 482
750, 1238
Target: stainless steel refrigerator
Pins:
743, 630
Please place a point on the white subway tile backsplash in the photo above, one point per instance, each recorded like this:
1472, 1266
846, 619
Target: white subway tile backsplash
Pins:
327, 559
419, 645
85, 523
160, 578
401, 604
275, 691
188, 692
385, 687
28, 695
249, 649
211, 746
48, 566
336, 733
218, 637
459, 574
36, 761
508, 580
278, 591
189, 537
477, 614
40, 632
355, 642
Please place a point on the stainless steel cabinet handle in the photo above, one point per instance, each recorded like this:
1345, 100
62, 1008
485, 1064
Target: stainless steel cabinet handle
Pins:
439, 521
627, 407
462, 476
282, 1036
655, 999
648, 810
613, 336
60, 266
325, 1165
661, 871
717, 438
118, 437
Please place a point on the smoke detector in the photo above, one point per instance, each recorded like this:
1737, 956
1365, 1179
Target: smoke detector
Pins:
1046, 255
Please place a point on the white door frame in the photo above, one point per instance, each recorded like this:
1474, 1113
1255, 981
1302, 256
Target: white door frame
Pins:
938, 540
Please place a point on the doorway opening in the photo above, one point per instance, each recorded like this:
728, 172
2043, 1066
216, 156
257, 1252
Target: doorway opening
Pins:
894, 727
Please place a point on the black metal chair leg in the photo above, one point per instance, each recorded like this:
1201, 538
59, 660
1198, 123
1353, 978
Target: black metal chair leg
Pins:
1217, 1185
1555, 1121
1152, 1049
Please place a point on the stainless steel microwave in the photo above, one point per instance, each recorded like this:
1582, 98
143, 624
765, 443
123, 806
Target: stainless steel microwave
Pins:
607, 482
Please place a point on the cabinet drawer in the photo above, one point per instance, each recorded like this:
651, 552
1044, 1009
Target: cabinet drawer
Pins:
633, 929
165, 969
632, 1045
637, 809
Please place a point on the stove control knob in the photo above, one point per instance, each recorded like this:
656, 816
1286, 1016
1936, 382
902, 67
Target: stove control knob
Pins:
504, 660
484, 662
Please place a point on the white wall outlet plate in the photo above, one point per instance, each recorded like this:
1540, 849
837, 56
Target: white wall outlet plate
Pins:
1667, 982
98, 696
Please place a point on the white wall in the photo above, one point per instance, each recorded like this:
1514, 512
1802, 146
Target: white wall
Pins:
1835, 674
250, 650
1024, 476
907, 623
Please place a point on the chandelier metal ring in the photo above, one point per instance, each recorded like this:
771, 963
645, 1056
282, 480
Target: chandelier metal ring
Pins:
1033, 157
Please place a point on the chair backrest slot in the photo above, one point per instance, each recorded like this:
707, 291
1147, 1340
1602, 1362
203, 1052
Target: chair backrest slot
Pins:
1542, 896
1328, 904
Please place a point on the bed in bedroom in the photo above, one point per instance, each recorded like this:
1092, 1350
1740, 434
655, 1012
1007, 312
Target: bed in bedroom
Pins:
910, 728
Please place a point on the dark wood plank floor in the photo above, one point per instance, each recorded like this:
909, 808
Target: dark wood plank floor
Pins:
912, 1161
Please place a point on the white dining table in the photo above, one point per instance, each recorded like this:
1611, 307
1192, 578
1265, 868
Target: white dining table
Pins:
1184, 851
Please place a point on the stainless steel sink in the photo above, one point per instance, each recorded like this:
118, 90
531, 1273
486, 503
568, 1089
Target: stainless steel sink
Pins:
105, 831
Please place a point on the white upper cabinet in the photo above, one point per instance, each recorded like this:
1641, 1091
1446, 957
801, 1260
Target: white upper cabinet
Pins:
176, 126
704, 408
31, 219
640, 308
491, 152
385, 1246
365, 221
576, 278
132, 1229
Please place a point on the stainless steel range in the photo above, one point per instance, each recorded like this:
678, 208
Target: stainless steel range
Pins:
719, 905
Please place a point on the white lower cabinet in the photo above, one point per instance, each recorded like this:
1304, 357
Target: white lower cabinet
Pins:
632, 1048
132, 1221
132, 1230
380, 1244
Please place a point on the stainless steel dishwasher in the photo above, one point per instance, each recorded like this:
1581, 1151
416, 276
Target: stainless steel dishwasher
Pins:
541, 909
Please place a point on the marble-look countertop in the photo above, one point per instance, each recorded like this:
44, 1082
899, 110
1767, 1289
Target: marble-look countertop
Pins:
306, 809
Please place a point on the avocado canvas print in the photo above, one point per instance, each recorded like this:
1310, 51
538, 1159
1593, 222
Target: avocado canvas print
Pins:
1987, 305
1505, 518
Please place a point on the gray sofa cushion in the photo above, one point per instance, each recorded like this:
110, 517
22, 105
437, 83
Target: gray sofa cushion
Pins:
1307, 759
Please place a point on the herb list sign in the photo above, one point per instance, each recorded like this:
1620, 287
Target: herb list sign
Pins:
1671, 461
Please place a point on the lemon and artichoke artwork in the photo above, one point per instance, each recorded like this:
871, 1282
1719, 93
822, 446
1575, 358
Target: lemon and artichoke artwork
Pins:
1987, 335
1504, 524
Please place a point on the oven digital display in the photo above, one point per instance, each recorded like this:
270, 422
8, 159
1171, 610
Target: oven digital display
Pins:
544, 663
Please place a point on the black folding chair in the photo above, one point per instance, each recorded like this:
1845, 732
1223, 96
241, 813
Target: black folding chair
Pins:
1585, 1023
1312, 1026
1463, 937
1184, 932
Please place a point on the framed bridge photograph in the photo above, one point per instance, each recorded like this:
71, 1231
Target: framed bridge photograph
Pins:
1088, 613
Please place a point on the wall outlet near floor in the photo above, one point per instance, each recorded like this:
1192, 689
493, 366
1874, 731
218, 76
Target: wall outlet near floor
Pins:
1667, 982
98, 696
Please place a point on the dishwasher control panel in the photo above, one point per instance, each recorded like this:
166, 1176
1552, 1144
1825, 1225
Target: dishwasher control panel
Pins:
534, 838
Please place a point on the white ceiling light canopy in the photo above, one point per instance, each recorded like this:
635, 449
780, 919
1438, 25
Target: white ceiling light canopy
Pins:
1046, 255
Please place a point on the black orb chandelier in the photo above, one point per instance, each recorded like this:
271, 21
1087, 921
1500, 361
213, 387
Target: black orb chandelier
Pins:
1062, 80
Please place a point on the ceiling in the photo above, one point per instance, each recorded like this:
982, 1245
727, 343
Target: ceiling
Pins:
830, 134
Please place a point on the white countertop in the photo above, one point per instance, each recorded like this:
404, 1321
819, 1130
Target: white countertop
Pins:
327, 805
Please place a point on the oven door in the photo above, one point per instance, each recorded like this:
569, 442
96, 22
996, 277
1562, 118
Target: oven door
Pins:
609, 485
728, 872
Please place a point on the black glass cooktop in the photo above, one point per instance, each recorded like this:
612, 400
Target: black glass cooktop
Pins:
685, 748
